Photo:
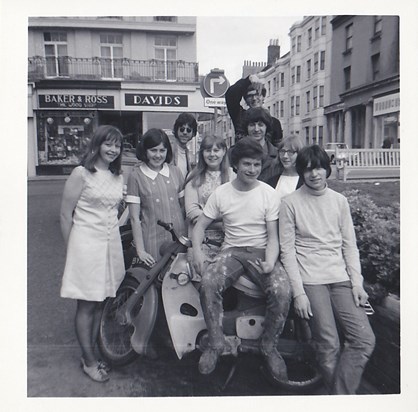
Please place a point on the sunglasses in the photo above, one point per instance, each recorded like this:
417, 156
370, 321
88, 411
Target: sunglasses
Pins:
187, 129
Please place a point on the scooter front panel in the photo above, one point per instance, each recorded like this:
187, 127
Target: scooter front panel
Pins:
182, 308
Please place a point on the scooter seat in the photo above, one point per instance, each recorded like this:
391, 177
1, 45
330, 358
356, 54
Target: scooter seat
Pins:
247, 286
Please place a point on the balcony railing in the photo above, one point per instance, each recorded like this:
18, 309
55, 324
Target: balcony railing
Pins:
98, 68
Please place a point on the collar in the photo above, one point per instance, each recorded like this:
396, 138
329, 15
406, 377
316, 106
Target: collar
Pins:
312, 192
152, 174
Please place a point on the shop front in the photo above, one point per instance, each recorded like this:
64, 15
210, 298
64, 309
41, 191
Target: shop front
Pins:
386, 115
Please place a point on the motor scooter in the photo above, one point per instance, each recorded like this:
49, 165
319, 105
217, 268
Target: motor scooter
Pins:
128, 320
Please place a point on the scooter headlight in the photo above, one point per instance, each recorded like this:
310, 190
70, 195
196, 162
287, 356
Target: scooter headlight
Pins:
183, 278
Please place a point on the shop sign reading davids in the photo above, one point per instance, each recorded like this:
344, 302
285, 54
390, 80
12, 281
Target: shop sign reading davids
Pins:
75, 101
156, 100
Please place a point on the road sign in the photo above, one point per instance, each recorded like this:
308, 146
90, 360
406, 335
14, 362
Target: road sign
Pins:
215, 83
215, 102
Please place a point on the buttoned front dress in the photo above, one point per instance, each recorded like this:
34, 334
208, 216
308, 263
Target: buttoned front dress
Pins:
94, 267
158, 195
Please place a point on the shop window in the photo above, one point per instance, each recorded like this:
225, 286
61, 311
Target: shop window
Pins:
166, 56
63, 138
56, 55
111, 49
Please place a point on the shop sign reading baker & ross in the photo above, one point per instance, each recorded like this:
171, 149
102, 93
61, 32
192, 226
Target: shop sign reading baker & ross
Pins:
76, 101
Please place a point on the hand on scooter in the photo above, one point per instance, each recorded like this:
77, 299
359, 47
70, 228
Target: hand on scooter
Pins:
199, 259
146, 258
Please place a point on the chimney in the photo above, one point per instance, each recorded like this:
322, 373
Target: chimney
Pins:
273, 51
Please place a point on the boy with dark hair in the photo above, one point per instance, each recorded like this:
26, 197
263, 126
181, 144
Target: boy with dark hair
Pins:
319, 252
249, 210
253, 92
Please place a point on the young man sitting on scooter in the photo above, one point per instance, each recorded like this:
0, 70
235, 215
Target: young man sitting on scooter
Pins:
249, 210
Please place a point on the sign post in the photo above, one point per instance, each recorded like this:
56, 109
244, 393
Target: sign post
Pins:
215, 85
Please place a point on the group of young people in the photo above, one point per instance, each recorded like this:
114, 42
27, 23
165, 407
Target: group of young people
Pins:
269, 204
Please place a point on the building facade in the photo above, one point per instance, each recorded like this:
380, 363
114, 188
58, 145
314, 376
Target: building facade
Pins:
131, 72
364, 108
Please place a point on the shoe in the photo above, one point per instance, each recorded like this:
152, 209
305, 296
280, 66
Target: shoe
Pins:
102, 364
208, 360
276, 365
95, 372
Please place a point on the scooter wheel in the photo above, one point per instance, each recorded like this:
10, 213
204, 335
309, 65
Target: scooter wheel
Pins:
115, 338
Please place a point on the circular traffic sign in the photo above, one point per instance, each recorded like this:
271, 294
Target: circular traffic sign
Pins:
215, 83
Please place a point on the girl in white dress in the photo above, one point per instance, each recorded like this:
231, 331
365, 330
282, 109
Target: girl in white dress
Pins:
94, 266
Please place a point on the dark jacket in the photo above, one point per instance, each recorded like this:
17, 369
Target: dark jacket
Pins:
272, 181
233, 97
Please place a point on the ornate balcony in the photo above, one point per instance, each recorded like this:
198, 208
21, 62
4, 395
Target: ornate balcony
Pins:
98, 68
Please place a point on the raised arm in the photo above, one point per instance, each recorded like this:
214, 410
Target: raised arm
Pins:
233, 97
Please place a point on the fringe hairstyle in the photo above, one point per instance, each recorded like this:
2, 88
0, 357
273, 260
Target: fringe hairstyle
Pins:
103, 134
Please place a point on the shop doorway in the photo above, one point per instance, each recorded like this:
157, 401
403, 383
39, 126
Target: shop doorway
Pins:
129, 123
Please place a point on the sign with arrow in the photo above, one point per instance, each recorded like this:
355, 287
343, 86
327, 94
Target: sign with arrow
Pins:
215, 83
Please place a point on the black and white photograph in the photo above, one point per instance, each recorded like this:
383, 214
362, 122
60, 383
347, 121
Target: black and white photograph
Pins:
204, 206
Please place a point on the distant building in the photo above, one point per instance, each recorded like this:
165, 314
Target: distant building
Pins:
364, 104
132, 72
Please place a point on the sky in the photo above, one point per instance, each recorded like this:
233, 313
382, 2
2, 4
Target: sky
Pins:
224, 42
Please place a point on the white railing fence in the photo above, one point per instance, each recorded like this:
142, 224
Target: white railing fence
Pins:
371, 157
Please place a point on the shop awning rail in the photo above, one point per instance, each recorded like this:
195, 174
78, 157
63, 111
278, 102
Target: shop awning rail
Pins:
97, 68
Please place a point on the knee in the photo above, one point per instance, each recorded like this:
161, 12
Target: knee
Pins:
367, 342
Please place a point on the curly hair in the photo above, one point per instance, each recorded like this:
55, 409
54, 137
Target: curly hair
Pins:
257, 114
185, 118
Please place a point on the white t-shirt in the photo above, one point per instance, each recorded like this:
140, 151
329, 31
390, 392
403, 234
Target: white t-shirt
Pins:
286, 185
244, 214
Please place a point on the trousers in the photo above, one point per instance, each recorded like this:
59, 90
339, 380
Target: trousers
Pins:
227, 267
342, 365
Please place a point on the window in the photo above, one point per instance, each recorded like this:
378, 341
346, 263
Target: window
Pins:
314, 134
320, 135
292, 106
166, 56
377, 24
299, 43
297, 74
293, 75
297, 106
308, 101
317, 28
293, 45
281, 79
323, 26
165, 18
268, 88
316, 62
309, 38
281, 108
308, 69
111, 49
322, 60
375, 66
274, 110
315, 97
307, 135
274, 85
321, 96
347, 77
55, 44
349, 37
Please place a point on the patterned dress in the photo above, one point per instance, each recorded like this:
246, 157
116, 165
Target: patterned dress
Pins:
158, 195
94, 266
